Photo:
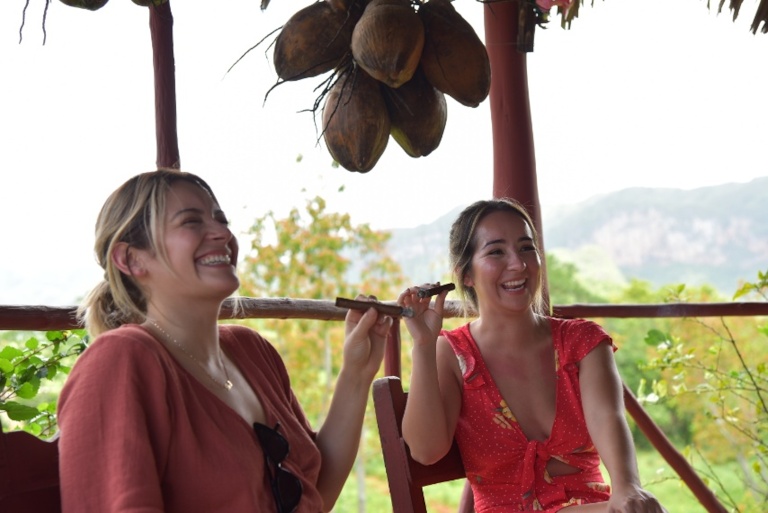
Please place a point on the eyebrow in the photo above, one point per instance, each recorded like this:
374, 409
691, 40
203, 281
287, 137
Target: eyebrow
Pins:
193, 210
524, 238
186, 211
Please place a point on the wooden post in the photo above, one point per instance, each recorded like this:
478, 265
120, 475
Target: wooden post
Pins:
161, 28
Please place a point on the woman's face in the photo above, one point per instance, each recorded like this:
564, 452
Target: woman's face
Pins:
505, 268
201, 249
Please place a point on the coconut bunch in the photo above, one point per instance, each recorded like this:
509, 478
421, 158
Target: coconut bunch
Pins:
393, 62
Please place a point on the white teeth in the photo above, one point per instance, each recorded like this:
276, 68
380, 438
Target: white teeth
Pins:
513, 284
215, 259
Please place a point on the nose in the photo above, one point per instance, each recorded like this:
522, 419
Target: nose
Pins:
219, 231
516, 263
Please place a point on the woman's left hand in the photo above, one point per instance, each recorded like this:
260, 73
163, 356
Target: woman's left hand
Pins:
634, 500
366, 335
427, 319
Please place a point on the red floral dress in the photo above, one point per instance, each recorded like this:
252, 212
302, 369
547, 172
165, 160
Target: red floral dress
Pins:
506, 470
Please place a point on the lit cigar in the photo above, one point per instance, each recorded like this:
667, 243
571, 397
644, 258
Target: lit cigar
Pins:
437, 289
393, 310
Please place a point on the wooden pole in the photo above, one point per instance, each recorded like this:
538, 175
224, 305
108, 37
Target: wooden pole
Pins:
161, 28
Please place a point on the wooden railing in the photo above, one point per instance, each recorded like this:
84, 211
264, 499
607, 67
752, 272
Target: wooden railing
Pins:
45, 318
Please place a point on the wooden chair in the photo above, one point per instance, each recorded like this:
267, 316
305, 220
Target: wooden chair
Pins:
406, 477
29, 474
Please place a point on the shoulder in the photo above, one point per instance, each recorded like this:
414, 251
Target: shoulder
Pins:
118, 364
575, 338
246, 339
128, 341
248, 345
457, 337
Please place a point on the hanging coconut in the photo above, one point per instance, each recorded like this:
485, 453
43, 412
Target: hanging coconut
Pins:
147, 3
355, 121
387, 41
417, 113
454, 59
91, 5
315, 39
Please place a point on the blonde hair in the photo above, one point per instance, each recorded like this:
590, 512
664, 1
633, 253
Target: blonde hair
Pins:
462, 246
132, 214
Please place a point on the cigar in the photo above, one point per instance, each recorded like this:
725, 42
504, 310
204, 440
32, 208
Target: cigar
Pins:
393, 310
437, 289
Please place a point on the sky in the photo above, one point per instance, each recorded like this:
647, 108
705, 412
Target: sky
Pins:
637, 93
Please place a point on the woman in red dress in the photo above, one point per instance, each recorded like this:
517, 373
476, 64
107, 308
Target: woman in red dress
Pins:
534, 402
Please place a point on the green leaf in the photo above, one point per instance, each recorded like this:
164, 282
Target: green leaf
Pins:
743, 290
656, 337
55, 335
27, 390
10, 352
5, 366
32, 344
16, 411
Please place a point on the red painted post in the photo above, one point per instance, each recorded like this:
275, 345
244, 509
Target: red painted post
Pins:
161, 28
392, 350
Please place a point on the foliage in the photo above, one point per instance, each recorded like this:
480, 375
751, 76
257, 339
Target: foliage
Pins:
26, 366
719, 380
563, 285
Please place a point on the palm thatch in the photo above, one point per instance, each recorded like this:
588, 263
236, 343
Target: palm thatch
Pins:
568, 14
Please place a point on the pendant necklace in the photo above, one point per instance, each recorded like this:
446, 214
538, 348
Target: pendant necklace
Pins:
226, 385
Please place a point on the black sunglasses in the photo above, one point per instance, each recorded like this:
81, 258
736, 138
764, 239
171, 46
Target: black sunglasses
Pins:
286, 487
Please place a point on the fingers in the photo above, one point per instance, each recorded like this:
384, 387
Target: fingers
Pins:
366, 319
421, 297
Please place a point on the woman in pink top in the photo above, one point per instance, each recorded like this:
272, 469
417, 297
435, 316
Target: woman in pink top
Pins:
533, 402
168, 411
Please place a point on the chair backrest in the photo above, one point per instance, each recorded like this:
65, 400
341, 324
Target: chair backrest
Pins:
406, 477
29, 474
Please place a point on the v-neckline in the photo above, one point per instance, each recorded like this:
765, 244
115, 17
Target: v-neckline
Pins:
199, 384
498, 397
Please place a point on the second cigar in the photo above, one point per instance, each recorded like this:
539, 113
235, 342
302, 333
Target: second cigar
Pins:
393, 310
437, 289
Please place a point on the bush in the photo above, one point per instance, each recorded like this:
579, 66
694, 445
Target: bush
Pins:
31, 372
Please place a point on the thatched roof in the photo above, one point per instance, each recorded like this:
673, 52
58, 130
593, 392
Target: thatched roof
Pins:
567, 15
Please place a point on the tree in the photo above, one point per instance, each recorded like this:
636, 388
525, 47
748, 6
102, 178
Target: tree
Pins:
716, 372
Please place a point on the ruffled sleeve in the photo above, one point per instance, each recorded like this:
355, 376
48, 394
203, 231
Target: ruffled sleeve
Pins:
576, 338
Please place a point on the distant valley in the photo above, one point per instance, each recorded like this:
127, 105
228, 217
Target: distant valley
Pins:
716, 235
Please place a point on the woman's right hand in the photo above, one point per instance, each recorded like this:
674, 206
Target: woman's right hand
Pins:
427, 320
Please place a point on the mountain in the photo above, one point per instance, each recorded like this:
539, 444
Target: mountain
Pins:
716, 235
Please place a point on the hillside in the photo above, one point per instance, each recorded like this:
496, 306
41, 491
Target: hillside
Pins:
716, 235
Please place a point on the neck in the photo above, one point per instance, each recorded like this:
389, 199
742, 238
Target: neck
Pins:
210, 359
507, 331
197, 332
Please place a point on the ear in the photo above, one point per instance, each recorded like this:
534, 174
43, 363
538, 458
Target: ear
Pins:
468, 282
128, 260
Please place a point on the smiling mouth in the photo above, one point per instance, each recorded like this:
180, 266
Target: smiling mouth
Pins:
215, 259
513, 285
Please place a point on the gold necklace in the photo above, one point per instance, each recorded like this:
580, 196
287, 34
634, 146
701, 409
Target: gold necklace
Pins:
226, 385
